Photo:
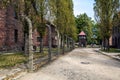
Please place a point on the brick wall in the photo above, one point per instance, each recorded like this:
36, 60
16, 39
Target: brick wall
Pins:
116, 36
8, 25
2, 27
45, 37
35, 35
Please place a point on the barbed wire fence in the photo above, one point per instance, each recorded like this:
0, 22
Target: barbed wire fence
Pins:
52, 47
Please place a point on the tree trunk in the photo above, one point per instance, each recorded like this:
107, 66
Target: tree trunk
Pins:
58, 42
41, 44
104, 43
66, 44
108, 45
63, 45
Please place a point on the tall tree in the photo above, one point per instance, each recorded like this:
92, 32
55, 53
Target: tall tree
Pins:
104, 11
64, 17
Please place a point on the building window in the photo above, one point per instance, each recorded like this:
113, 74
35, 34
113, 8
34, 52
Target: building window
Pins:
15, 35
15, 15
38, 39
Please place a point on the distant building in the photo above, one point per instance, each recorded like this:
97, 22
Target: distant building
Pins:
116, 31
82, 39
11, 30
116, 36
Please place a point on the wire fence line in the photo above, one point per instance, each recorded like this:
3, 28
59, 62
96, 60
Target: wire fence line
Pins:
51, 53
51, 46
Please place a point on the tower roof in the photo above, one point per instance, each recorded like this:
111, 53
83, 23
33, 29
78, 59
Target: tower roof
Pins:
82, 33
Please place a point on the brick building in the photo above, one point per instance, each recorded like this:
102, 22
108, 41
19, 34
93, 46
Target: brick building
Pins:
11, 30
116, 36
36, 37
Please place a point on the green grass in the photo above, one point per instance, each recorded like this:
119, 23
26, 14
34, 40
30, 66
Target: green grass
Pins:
9, 60
39, 55
113, 50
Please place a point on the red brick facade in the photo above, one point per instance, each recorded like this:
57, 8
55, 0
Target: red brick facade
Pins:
45, 38
35, 36
11, 30
116, 36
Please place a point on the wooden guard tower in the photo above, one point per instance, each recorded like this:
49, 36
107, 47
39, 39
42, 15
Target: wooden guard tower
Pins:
82, 39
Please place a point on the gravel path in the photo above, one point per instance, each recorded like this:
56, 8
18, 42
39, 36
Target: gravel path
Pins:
80, 64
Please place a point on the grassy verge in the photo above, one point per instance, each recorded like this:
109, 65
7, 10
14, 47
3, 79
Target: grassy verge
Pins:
39, 55
113, 50
10, 60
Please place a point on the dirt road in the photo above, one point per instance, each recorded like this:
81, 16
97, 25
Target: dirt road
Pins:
80, 64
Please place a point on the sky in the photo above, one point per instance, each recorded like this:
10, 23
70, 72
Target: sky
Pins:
84, 6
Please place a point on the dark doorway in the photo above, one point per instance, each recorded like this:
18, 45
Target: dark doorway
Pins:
15, 35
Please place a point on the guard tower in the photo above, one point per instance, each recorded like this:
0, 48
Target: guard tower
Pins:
82, 39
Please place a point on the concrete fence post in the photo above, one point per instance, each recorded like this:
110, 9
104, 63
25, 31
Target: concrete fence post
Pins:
30, 43
49, 42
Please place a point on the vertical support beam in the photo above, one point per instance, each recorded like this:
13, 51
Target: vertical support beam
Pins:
49, 42
26, 45
63, 45
66, 43
30, 43
58, 42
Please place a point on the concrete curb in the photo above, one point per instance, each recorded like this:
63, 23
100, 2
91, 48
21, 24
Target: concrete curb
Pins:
106, 54
13, 75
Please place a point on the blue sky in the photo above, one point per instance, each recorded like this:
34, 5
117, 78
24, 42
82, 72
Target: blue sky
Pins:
83, 6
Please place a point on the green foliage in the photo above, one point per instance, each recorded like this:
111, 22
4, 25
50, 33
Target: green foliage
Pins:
38, 18
84, 23
96, 33
104, 11
64, 18
113, 50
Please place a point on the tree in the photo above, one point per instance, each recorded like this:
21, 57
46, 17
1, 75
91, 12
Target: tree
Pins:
104, 11
96, 33
84, 23
65, 19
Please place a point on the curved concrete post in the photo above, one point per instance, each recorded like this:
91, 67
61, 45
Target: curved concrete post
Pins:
49, 42
30, 43
58, 42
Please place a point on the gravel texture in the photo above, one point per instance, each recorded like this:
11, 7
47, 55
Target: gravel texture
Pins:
80, 64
